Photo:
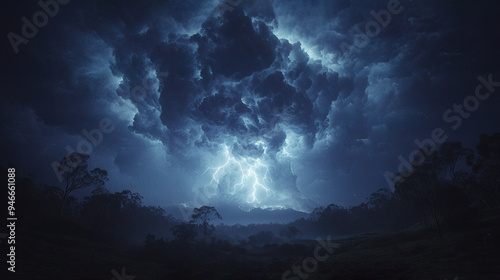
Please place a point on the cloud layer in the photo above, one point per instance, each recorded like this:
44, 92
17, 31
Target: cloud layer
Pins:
256, 107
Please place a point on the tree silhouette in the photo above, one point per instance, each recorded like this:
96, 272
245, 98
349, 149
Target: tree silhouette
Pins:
413, 189
449, 154
76, 175
184, 232
433, 180
202, 216
486, 166
289, 232
380, 198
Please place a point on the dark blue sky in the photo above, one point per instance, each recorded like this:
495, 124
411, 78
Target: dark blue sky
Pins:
261, 106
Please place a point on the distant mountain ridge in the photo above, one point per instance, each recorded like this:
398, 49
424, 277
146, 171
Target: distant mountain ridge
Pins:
234, 215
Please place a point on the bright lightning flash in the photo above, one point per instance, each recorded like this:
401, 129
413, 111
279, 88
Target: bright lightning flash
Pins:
248, 170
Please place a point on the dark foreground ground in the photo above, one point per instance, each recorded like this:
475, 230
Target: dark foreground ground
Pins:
470, 253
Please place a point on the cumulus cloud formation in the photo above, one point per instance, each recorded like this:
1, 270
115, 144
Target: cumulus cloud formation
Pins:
255, 107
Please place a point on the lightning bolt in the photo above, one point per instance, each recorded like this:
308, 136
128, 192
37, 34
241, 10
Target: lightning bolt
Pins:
249, 169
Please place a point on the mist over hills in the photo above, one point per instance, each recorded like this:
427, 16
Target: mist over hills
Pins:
232, 215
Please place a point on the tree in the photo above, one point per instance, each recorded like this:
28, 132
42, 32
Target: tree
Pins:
432, 180
184, 232
413, 189
486, 166
421, 187
76, 175
380, 198
317, 212
289, 232
449, 154
202, 216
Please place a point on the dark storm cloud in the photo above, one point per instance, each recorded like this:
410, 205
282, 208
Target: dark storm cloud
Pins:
402, 82
266, 80
237, 48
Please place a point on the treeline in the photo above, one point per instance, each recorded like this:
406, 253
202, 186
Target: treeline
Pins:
121, 217
449, 186
445, 189
117, 218
382, 212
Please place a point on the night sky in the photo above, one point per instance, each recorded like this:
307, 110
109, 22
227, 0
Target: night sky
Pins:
252, 104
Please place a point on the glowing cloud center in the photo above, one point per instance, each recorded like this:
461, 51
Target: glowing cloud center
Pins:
244, 177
